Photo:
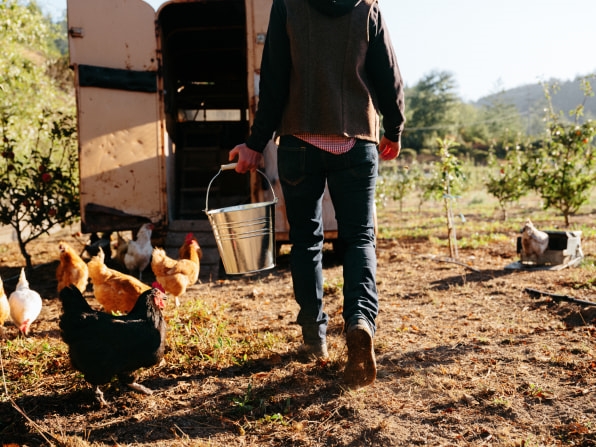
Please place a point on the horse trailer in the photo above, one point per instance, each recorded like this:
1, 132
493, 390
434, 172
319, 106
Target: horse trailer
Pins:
162, 97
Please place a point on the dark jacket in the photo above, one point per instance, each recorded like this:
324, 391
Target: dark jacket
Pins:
375, 83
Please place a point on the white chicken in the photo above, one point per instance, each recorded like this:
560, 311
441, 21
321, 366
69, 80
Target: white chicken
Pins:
533, 241
138, 253
25, 305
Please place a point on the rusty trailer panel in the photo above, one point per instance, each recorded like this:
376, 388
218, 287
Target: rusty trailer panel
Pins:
121, 156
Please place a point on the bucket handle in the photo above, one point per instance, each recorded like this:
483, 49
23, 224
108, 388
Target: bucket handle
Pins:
228, 167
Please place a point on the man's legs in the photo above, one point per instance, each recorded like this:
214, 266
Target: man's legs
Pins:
351, 180
303, 184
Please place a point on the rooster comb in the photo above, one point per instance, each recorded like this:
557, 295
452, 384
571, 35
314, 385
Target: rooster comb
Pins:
158, 286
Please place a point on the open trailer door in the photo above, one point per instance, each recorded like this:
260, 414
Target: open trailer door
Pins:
113, 50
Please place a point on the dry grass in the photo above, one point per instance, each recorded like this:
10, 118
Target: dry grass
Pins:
465, 356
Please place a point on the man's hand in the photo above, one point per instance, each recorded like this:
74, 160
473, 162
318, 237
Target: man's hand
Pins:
248, 160
388, 150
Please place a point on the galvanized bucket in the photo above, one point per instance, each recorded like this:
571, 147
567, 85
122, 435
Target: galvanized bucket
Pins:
245, 234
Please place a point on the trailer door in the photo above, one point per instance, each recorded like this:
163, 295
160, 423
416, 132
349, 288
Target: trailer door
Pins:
113, 49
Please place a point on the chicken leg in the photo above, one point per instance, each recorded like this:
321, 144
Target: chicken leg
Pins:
99, 396
130, 382
140, 388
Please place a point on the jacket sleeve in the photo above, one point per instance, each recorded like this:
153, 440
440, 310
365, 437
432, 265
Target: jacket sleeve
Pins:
274, 80
383, 70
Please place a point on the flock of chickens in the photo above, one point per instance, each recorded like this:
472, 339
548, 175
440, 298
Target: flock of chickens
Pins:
128, 332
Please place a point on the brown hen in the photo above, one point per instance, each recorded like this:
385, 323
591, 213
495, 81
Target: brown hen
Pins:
184, 252
114, 290
176, 275
71, 269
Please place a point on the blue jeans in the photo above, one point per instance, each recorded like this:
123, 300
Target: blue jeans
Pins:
351, 177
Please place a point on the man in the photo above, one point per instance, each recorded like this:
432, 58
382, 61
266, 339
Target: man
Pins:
328, 70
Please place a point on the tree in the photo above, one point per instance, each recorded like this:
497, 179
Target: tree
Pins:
39, 189
494, 125
451, 177
38, 163
430, 108
397, 181
563, 169
502, 119
505, 179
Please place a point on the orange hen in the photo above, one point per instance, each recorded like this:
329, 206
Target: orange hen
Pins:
186, 249
114, 290
71, 269
176, 275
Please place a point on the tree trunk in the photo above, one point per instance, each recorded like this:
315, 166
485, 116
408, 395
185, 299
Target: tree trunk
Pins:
23, 248
452, 238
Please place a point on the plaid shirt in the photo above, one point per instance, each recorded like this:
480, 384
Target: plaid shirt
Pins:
336, 144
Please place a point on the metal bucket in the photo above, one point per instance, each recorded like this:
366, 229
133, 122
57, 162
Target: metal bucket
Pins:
245, 234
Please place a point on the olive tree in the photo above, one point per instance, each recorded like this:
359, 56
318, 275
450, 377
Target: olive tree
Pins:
563, 169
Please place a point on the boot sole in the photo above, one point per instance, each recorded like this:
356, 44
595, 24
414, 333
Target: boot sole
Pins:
361, 369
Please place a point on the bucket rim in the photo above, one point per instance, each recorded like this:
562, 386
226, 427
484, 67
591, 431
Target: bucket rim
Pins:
243, 207
268, 267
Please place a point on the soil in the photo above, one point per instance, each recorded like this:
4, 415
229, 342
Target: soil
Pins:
465, 357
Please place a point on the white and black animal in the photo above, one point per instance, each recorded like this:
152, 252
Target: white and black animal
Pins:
533, 241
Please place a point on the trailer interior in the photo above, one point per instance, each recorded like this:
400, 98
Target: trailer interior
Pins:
204, 66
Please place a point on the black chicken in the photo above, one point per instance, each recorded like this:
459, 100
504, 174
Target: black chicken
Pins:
102, 345
96, 242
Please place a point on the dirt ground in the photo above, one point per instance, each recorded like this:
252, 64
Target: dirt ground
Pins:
465, 358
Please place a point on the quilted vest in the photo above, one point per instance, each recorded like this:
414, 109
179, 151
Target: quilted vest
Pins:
329, 88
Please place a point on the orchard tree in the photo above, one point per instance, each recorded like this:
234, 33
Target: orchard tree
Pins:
38, 152
446, 181
396, 182
563, 169
39, 190
452, 179
505, 178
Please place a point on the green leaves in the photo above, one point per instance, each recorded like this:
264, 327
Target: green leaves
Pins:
38, 149
24, 25
39, 188
560, 168
431, 110
563, 169
505, 181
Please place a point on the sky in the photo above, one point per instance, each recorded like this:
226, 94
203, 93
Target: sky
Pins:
488, 46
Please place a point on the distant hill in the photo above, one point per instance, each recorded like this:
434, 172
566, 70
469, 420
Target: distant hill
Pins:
530, 100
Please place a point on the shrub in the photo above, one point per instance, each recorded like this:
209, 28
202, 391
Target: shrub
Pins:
505, 180
563, 170
39, 188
